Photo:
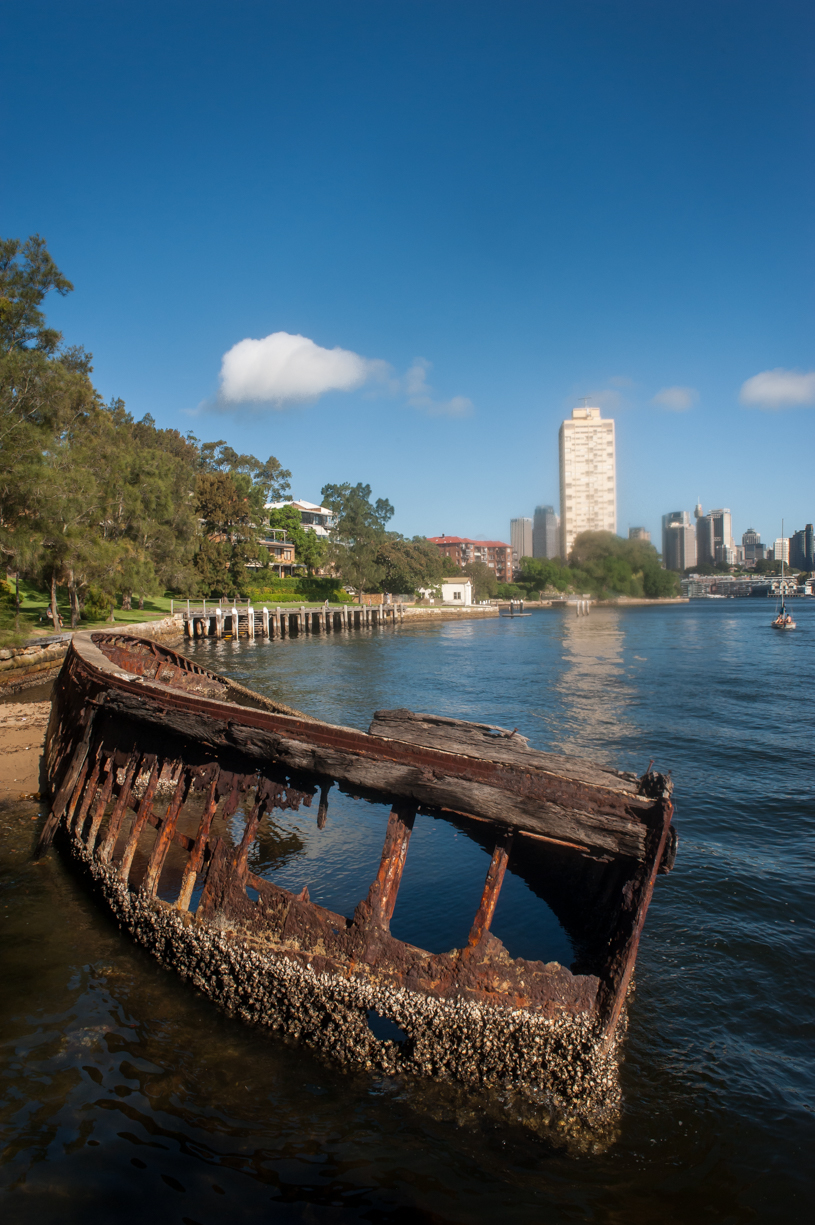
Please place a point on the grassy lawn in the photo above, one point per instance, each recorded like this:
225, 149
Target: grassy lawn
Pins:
34, 623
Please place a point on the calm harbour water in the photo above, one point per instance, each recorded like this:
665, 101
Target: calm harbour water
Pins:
125, 1094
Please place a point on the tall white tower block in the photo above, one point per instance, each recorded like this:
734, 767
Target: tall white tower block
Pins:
588, 478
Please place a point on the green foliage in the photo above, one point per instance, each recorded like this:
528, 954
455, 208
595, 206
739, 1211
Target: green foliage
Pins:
766, 565
485, 584
358, 535
409, 564
89, 497
299, 590
98, 604
604, 565
511, 591
543, 574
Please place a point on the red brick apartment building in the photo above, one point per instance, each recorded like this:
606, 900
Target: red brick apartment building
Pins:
493, 553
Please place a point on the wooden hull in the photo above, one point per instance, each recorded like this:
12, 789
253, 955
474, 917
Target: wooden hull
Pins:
154, 762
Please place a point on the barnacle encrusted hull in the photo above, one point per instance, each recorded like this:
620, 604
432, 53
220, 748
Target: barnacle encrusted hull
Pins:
151, 761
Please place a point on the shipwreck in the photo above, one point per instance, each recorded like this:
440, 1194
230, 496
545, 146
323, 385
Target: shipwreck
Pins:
162, 774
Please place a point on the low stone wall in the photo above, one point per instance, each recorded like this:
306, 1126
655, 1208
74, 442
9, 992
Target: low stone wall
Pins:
445, 612
22, 667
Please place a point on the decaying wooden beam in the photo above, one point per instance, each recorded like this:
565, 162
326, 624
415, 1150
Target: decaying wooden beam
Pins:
143, 811
636, 900
117, 815
165, 835
87, 798
196, 858
102, 802
68, 783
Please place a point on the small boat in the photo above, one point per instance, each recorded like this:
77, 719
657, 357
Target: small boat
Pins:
783, 619
516, 609
164, 776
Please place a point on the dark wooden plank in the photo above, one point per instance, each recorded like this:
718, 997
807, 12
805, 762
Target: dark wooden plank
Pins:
165, 836
143, 812
498, 744
88, 796
68, 784
117, 815
636, 900
197, 853
102, 802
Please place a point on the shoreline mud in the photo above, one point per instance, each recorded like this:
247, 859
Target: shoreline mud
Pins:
22, 739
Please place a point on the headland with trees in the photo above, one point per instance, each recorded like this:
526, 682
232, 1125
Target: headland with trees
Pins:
106, 517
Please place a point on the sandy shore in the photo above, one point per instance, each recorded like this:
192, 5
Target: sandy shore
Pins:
22, 733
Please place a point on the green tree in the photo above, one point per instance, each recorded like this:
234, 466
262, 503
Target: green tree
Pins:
357, 535
538, 574
409, 564
605, 564
485, 584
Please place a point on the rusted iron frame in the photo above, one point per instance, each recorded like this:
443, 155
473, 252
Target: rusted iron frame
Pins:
492, 888
380, 903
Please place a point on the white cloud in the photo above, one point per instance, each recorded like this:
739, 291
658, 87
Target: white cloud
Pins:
420, 394
676, 399
779, 388
282, 370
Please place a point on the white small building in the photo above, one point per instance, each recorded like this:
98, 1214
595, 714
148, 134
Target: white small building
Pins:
457, 591
314, 518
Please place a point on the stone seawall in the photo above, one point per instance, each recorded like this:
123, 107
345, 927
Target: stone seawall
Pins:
446, 613
22, 667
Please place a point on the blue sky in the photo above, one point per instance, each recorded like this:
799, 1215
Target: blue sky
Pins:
492, 209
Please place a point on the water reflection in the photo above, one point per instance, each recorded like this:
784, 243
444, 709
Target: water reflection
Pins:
593, 688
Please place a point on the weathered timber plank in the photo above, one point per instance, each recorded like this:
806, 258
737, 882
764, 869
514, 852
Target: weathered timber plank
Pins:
498, 744
620, 831
117, 815
68, 784
144, 811
165, 836
196, 858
